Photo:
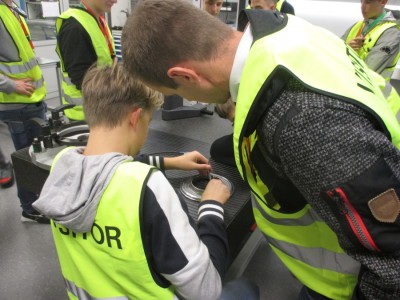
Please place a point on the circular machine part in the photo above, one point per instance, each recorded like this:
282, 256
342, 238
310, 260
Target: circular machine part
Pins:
75, 135
193, 187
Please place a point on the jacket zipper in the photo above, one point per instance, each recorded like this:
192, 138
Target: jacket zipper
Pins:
354, 219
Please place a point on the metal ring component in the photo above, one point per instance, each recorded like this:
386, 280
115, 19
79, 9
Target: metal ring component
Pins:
193, 187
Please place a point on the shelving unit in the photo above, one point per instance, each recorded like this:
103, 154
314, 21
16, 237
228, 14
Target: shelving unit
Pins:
230, 10
41, 19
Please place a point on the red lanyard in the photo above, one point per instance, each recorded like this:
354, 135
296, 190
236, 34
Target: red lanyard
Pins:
360, 30
103, 27
22, 25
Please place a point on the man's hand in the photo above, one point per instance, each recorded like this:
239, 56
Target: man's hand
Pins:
24, 86
356, 43
188, 161
216, 190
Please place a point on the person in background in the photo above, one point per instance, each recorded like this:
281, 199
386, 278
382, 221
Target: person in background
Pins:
376, 38
157, 251
22, 93
83, 38
213, 7
314, 137
282, 6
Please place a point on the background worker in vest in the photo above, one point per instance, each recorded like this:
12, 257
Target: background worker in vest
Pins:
22, 91
376, 38
323, 173
213, 7
155, 249
83, 38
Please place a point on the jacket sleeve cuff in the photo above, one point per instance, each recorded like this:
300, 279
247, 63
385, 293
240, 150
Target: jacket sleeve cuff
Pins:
157, 161
210, 208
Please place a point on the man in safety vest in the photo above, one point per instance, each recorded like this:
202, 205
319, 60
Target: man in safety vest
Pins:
120, 229
314, 137
83, 38
22, 91
376, 38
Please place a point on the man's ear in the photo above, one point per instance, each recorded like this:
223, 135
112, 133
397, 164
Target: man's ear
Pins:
134, 117
181, 75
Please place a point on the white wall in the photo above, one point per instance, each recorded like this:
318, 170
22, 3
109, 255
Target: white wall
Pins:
118, 18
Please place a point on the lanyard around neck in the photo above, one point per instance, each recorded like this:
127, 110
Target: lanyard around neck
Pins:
103, 27
364, 31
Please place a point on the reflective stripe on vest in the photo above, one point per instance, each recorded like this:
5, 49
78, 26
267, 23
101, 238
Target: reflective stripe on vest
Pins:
277, 54
78, 101
71, 95
390, 94
68, 80
313, 256
15, 69
81, 294
27, 65
370, 40
114, 239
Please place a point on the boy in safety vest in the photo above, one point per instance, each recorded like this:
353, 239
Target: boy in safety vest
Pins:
120, 230
376, 38
83, 38
314, 137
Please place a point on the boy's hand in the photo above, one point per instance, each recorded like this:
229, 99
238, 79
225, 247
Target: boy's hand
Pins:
216, 190
188, 161
356, 43
24, 86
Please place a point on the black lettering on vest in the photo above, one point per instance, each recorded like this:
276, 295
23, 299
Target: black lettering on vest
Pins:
101, 240
111, 233
360, 71
117, 234
364, 87
64, 231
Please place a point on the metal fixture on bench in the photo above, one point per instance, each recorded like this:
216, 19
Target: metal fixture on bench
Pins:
193, 187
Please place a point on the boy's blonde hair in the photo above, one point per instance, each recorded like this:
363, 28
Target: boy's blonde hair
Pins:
109, 93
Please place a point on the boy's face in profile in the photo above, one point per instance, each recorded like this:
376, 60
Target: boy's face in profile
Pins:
371, 9
213, 7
